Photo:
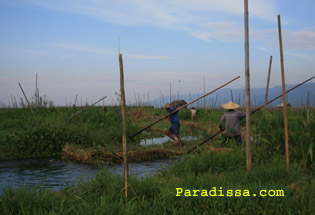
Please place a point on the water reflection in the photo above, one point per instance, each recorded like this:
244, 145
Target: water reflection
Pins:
161, 140
55, 174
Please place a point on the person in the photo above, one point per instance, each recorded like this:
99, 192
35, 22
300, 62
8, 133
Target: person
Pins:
231, 118
174, 129
193, 113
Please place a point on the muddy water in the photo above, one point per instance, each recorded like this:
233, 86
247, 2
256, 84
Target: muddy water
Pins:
55, 173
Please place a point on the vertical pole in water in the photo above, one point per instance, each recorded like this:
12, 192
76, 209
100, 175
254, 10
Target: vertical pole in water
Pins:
284, 98
268, 80
29, 105
124, 134
247, 85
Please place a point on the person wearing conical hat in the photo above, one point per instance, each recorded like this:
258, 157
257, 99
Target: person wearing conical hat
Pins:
174, 129
232, 118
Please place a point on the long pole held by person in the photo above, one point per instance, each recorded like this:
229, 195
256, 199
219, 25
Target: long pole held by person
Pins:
254, 111
183, 107
70, 117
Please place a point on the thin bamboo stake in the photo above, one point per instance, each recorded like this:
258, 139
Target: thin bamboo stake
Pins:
284, 99
216, 99
29, 105
247, 85
75, 100
86, 108
308, 108
36, 90
183, 107
204, 92
268, 80
253, 112
232, 96
124, 134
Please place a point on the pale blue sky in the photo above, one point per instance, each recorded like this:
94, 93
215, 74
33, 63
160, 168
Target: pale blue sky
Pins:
73, 45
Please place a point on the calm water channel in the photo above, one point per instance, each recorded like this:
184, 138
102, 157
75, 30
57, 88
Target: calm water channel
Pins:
55, 173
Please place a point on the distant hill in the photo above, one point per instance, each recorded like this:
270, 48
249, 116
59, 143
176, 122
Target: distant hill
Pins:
296, 98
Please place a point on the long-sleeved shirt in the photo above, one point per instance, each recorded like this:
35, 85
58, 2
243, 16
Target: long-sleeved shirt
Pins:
232, 122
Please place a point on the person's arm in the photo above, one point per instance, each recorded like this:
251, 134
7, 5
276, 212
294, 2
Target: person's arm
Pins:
241, 115
222, 120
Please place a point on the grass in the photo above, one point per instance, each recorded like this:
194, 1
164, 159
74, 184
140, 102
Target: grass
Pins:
157, 195
96, 133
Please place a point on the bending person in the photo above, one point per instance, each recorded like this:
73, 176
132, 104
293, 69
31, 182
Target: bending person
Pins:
174, 129
232, 118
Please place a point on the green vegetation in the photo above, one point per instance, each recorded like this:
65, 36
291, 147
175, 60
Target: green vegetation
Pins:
157, 195
47, 133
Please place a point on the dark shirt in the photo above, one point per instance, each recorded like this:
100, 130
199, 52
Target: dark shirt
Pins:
232, 122
173, 117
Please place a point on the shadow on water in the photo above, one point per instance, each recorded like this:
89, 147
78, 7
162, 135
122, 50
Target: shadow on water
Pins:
56, 174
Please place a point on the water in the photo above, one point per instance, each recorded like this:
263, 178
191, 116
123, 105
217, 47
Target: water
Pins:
161, 140
55, 173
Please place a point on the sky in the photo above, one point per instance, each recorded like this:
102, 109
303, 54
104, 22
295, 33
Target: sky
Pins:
73, 46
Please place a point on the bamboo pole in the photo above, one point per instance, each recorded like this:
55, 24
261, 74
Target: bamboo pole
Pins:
268, 80
75, 100
247, 85
124, 134
284, 99
308, 108
86, 108
253, 112
204, 92
243, 106
232, 95
183, 107
29, 105
36, 90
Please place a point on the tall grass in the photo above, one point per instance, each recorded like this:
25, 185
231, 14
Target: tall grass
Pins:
157, 195
45, 131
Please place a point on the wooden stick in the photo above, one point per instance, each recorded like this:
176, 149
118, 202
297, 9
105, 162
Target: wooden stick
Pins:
308, 108
284, 99
87, 107
183, 107
29, 105
204, 91
232, 96
268, 80
254, 111
75, 100
124, 132
36, 90
247, 85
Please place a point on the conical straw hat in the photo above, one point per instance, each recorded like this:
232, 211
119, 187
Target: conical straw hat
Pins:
230, 105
